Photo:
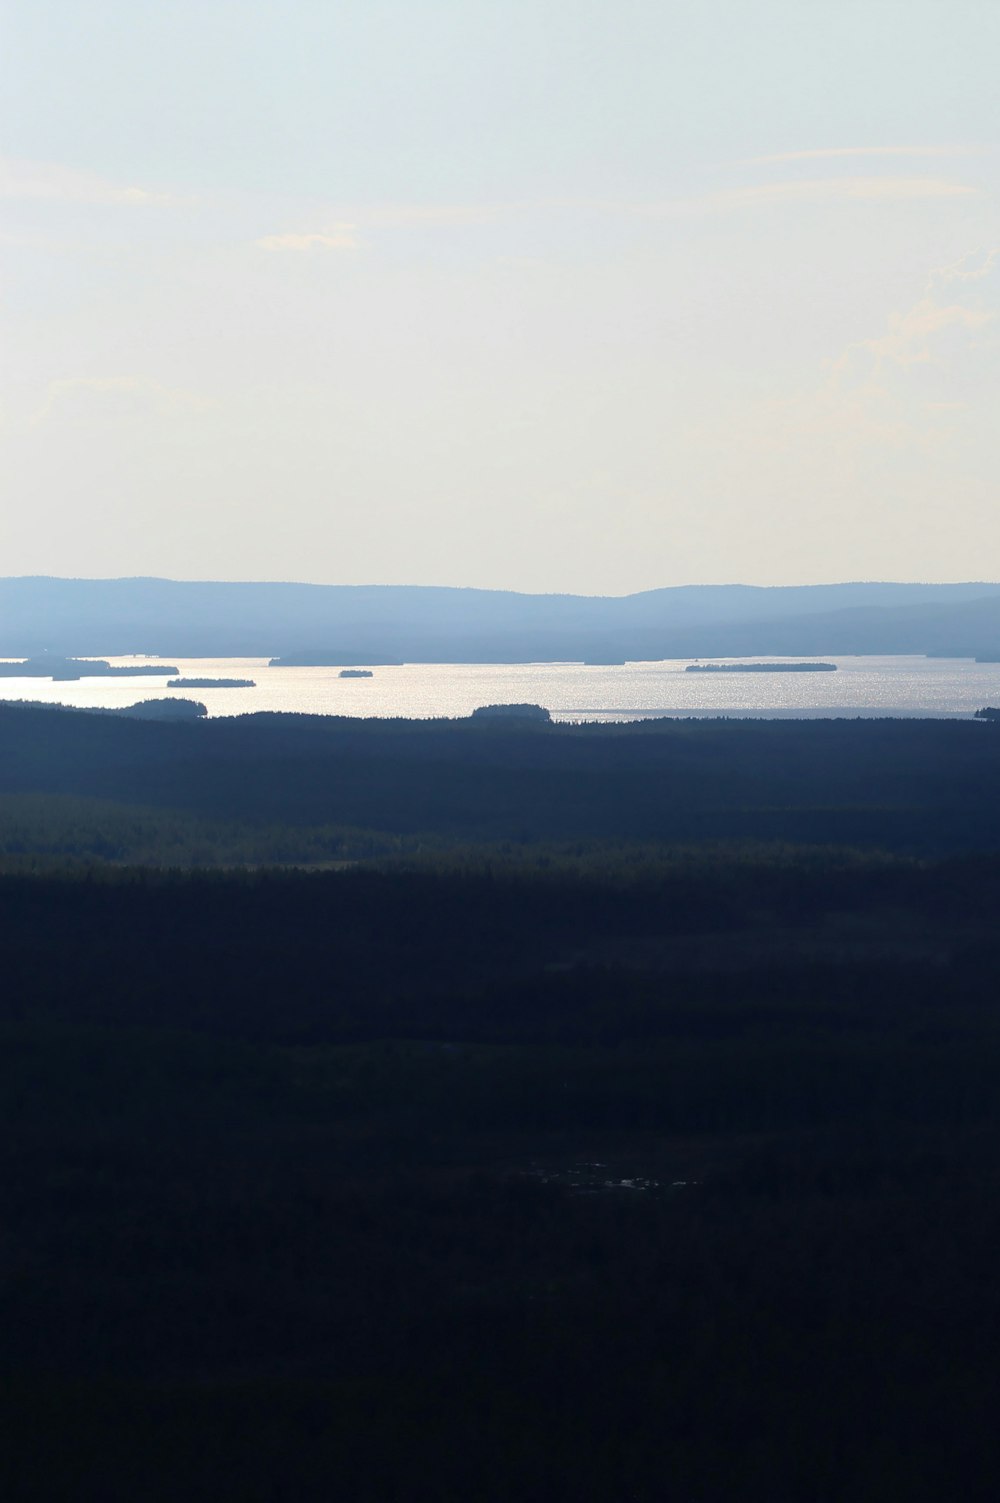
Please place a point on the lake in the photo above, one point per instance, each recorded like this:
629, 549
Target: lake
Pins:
866, 686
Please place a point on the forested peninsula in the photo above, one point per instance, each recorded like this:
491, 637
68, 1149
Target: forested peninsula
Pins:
48, 665
761, 668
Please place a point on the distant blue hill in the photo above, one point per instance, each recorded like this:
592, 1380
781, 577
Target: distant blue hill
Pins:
385, 623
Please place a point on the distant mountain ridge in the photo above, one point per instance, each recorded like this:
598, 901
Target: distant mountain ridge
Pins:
417, 623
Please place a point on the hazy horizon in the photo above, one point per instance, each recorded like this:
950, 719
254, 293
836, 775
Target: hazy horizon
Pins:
537, 297
432, 584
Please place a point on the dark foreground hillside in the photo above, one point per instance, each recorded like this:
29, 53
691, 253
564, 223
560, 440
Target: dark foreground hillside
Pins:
920, 787
642, 1176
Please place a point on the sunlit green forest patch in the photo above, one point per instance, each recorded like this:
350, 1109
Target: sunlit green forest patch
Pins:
45, 832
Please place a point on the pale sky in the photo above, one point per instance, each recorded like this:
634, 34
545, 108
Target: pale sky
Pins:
530, 294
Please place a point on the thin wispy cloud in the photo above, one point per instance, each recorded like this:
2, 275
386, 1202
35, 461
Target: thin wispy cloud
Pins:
826, 153
913, 338
910, 337
345, 234
403, 215
873, 380
909, 340
342, 234
144, 390
904, 390
974, 267
338, 237
52, 182
17, 240
820, 190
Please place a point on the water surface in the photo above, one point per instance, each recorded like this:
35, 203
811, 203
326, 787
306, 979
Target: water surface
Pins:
867, 686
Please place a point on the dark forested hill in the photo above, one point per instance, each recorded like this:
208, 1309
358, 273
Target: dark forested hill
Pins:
916, 786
